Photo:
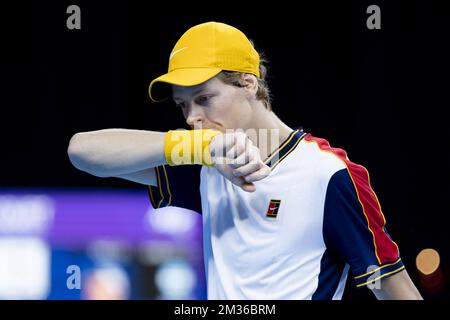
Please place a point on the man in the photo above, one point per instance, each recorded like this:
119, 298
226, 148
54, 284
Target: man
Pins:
283, 221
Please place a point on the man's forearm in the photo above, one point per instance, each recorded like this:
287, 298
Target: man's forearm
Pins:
112, 152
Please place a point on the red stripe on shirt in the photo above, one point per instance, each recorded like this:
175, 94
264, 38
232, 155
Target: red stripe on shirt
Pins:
386, 250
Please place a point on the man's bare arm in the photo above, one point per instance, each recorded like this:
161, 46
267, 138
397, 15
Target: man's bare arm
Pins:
132, 155
122, 153
146, 177
397, 287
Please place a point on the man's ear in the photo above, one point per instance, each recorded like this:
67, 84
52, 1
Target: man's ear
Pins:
250, 84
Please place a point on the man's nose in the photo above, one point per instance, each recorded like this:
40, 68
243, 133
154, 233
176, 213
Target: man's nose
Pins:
194, 117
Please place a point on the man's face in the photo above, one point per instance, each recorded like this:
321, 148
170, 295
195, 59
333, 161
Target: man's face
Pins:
213, 105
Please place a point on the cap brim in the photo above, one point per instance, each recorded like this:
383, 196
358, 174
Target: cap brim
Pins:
158, 89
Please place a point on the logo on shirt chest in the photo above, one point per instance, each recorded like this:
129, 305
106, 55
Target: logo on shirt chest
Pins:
272, 211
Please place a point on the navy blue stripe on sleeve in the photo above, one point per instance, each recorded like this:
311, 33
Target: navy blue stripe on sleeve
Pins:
379, 272
347, 234
178, 186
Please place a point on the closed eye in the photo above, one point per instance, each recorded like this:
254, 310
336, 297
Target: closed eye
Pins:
202, 100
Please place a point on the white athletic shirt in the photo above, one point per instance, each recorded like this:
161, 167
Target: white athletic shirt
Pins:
310, 221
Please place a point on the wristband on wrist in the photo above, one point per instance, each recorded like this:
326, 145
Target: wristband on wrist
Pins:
184, 147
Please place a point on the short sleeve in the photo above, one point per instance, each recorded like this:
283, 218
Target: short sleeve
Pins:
354, 227
178, 186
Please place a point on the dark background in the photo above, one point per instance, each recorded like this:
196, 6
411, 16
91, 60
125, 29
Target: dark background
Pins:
379, 94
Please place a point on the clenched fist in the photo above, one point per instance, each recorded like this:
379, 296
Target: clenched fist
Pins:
236, 157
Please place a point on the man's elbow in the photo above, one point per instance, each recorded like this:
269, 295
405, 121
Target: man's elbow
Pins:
82, 155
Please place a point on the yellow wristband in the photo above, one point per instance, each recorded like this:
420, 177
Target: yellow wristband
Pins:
183, 147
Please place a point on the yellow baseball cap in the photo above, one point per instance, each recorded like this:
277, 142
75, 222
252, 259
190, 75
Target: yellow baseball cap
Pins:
205, 50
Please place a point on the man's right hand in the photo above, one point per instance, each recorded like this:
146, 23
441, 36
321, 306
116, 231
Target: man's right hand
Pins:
236, 157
